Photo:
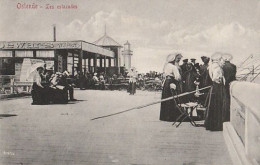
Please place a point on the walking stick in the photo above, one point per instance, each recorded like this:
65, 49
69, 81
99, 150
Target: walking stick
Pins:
152, 103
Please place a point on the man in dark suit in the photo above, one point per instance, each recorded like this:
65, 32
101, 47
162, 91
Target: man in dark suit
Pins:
204, 72
193, 61
229, 70
183, 72
205, 79
184, 65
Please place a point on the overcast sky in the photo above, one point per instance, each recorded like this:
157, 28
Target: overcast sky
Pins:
155, 28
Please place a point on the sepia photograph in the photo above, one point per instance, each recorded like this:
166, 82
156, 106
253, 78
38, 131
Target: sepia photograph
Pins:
129, 82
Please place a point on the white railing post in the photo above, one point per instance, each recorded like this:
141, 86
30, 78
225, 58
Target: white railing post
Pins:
245, 100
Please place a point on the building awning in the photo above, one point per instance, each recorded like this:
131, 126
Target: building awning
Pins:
51, 45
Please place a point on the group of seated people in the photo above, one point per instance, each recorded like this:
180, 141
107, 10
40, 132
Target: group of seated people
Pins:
51, 88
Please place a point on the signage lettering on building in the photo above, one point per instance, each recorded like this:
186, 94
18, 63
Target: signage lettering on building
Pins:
40, 45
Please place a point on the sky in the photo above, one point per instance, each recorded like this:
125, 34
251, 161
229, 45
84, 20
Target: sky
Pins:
154, 28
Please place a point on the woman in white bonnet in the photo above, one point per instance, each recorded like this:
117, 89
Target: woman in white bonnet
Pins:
214, 112
169, 111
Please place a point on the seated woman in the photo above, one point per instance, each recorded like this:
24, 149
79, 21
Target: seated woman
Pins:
39, 91
58, 91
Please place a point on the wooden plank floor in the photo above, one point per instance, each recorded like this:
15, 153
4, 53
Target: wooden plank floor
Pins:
64, 134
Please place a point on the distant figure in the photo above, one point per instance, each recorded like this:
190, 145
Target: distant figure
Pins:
102, 81
230, 75
64, 82
214, 112
38, 91
189, 77
184, 65
132, 80
95, 78
169, 110
193, 61
205, 79
204, 72
82, 81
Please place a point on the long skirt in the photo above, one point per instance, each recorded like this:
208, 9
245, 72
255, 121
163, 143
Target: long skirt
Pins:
132, 88
226, 114
216, 107
39, 95
58, 96
169, 110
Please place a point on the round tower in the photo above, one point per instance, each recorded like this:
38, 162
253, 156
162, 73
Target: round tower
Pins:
126, 55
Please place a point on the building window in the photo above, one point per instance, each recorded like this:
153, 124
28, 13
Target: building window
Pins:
70, 63
45, 54
7, 66
6, 54
23, 53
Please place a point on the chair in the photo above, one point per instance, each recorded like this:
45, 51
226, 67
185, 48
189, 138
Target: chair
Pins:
184, 110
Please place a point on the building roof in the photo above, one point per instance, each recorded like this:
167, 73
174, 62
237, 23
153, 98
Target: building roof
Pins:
127, 43
106, 41
53, 45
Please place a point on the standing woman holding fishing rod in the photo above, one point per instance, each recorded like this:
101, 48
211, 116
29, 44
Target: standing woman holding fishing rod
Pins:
172, 74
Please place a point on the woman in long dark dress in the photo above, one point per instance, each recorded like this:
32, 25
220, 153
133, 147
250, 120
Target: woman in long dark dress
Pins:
216, 106
38, 90
169, 111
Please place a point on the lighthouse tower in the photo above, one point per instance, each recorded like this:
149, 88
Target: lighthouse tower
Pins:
126, 56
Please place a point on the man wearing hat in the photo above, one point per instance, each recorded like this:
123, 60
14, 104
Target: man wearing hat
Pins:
193, 61
184, 65
205, 78
229, 70
204, 72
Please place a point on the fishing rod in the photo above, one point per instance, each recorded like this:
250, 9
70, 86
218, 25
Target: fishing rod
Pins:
152, 103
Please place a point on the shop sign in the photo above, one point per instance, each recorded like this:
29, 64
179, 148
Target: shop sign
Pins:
40, 45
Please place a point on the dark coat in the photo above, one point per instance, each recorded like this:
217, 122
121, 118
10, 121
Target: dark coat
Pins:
205, 78
230, 71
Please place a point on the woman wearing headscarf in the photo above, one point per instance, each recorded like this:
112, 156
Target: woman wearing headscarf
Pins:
38, 93
216, 104
169, 111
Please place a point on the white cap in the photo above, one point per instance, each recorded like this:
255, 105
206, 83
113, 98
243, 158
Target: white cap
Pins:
227, 57
216, 56
172, 57
172, 86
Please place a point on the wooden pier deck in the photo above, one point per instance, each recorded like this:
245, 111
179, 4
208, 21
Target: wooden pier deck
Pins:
64, 134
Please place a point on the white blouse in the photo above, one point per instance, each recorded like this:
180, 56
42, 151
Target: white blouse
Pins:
38, 79
172, 70
132, 76
216, 73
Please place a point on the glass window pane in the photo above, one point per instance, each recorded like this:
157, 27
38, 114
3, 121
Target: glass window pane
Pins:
44, 53
23, 53
5, 53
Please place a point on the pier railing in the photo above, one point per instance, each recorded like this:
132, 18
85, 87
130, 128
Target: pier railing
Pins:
10, 85
242, 133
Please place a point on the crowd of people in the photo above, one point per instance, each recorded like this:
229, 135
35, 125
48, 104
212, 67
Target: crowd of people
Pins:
217, 72
51, 88
185, 78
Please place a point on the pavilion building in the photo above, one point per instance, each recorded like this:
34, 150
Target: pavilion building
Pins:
73, 56
109, 43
